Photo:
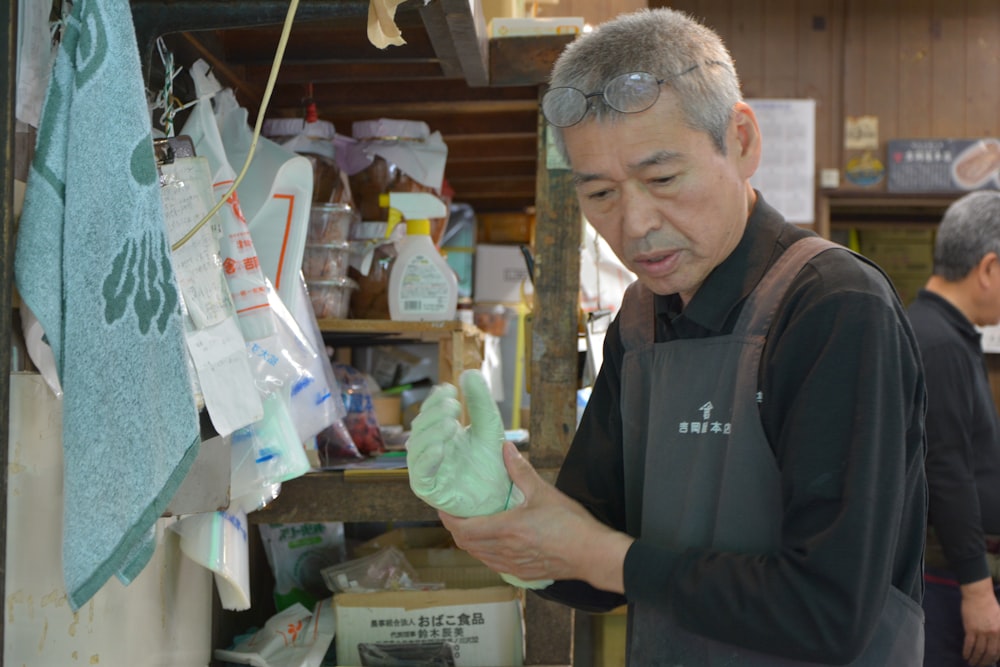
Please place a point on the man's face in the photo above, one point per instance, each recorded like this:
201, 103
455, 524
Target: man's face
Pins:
660, 193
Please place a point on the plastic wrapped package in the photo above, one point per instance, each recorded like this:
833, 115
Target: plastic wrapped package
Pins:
294, 637
314, 141
384, 570
297, 554
390, 155
360, 420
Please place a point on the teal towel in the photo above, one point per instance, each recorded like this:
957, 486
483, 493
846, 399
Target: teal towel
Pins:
93, 263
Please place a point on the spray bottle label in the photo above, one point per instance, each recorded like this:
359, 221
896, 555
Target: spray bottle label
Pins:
423, 289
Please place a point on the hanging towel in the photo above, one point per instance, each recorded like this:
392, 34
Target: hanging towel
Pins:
93, 264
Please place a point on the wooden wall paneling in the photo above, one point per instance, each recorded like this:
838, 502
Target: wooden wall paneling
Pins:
688, 6
837, 26
817, 32
854, 58
718, 15
881, 78
914, 118
781, 55
854, 70
948, 91
746, 44
982, 44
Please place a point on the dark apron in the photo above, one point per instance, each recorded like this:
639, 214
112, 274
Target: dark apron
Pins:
700, 473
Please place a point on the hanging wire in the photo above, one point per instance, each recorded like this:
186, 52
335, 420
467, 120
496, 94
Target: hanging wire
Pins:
275, 66
166, 99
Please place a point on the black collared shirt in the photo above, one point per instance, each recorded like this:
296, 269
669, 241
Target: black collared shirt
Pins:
963, 435
842, 406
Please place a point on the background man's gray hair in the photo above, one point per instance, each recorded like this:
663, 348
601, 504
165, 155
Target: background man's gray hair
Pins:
969, 230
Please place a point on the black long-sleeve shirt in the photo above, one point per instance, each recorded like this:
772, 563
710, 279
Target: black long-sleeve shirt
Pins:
842, 406
963, 435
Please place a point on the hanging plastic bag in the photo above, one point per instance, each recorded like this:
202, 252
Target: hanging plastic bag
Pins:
218, 542
215, 343
240, 261
265, 454
294, 637
313, 391
334, 444
275, 194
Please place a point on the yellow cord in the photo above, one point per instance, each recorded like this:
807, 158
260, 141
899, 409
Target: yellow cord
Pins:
519, 359
278, 55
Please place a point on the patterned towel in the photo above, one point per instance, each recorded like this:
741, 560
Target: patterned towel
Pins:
93, 264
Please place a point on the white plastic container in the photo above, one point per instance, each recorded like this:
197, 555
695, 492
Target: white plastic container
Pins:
422, 286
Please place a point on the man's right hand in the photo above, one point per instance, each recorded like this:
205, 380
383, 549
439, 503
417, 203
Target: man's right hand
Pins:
981, 620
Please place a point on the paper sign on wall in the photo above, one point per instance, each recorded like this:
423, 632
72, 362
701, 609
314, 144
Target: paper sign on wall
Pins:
786, 175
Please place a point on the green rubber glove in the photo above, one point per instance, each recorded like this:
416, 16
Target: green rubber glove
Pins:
459, 469
455, 468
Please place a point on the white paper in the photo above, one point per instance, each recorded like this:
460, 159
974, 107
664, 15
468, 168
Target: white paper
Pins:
991, 338
35, 55
786, 176
187, 197
227, 383
214, 339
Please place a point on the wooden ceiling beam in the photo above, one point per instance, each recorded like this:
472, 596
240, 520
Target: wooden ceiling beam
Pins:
457, 30
409, 109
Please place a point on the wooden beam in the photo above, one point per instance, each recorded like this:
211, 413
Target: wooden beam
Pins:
439, 33
225, 73
520, 61
554, 352
428, 108
153, 18
462, 36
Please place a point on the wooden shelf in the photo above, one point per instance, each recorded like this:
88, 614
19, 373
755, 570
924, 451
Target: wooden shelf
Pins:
839, 208
460, 345
424, 331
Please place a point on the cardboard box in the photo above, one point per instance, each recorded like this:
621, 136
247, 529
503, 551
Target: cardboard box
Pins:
465, 624
943, 165
500, 274
407, 539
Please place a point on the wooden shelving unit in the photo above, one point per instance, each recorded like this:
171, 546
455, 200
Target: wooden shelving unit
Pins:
839, 208
460, 345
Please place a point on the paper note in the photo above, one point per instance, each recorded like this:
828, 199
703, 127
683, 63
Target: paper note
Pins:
227, 383
187, 196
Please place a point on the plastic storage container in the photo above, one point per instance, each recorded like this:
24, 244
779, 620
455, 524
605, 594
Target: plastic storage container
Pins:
325, 261
331, 299
331, 222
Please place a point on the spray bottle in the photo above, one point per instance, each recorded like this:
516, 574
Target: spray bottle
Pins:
422, 286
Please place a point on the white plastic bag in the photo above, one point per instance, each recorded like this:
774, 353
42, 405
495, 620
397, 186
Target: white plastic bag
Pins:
294, 637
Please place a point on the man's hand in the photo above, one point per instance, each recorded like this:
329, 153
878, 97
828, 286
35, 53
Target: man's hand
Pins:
548, 536
981, 620
460, 469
